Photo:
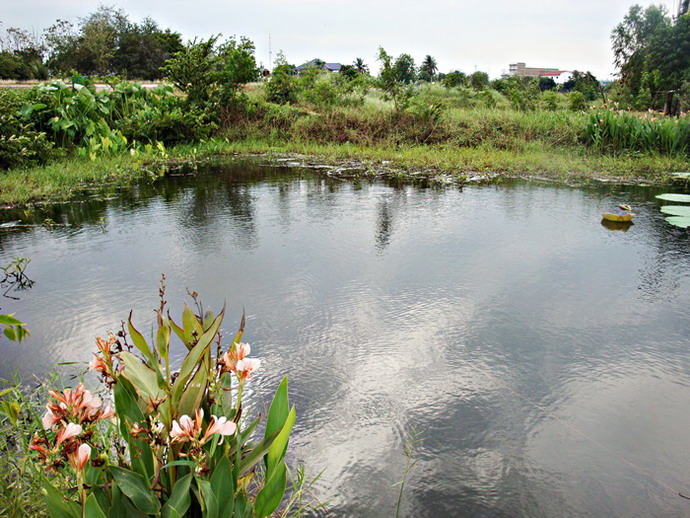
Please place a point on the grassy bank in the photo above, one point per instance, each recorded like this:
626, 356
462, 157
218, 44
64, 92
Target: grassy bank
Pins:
72, 177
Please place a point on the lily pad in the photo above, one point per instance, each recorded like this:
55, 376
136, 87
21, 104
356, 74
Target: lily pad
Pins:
679, 221
676, 210
682, 198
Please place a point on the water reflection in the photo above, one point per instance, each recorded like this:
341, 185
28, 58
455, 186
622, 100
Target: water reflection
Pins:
505, 321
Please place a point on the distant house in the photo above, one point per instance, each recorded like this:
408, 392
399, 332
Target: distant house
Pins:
319, 63
522, 70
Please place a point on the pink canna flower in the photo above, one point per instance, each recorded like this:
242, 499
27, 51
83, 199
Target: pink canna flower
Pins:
81, 457
236, 353
187, 428
49, 419
69, 431
245, 368
219, 426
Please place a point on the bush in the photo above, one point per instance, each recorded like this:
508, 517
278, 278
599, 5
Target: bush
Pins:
21, 145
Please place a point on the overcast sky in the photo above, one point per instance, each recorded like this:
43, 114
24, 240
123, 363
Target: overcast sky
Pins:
482, 34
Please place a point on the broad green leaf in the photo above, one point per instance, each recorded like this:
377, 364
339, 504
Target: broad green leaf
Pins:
256, 454
9, 320
180, 333
280, 406
276, 452
209, 499
141, 376
179, 500
676, 210
127, 408
92, 509
243, 507
271, 494
191, 325
58, 507
223, 486
138, 339
192, 360
679, 221
193, 392
683, 198
136, 488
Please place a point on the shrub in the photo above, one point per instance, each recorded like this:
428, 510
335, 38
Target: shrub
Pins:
21, 144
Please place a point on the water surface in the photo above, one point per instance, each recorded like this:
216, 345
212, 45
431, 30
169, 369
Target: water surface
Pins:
543, 356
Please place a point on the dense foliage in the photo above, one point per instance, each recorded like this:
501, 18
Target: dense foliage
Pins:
105, 42
652, 52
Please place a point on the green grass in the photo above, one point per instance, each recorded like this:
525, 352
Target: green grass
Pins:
70, 178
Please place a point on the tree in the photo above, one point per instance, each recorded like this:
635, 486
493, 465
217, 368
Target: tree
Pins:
631, 41
282, 87
428, 68
455, 78
394, 88
143, 49
404, 69
479, 80
546, 83
360, 66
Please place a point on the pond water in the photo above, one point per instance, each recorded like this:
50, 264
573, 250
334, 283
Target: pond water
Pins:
543, 357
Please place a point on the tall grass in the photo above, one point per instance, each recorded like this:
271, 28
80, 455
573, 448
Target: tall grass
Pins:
612, 130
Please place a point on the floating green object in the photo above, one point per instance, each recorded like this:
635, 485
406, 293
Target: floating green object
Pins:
676, 210
682, 198
679, 221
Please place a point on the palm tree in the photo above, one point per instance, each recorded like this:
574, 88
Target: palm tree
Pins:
429, 66
360, 66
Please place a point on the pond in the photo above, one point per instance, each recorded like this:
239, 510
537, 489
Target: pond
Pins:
542, 357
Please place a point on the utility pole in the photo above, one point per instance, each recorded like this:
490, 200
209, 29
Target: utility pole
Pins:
270, 55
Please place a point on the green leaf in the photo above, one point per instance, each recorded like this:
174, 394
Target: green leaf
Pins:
194, 392
136, 488
276, 452
679, 221
676, 210
271, 494
280, 406
9, 320
256, 454
223, 486
58, 505
209, 500
243, 507
92, 509
192, 360
127, 408
179, 500
683, 198
139, 340
141, 376
190, 324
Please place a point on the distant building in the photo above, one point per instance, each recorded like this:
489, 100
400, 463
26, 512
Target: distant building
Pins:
522, 70
318, 63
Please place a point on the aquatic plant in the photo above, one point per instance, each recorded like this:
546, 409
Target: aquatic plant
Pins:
678, 215
174, 443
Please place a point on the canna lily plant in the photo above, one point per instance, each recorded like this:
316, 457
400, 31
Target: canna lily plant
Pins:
175, 444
